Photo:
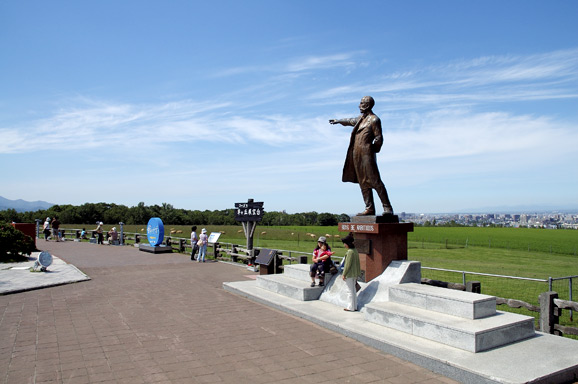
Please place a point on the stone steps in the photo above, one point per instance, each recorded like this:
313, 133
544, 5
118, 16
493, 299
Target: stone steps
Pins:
294, 283
457, 303
297, 271
463, 320
290, 287
459, 319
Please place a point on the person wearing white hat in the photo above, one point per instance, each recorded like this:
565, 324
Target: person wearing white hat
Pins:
203, 241
46, 228
98, 230
112, 236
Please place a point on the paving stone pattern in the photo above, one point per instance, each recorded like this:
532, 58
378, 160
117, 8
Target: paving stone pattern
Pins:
146, 318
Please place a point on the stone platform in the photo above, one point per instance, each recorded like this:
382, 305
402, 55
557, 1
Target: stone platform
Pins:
156, 249
473, 344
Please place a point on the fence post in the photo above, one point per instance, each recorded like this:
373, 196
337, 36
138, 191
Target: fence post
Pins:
570, 297
548, 317
474, 287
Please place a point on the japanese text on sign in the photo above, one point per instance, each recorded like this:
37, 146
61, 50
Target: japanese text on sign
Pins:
250, 211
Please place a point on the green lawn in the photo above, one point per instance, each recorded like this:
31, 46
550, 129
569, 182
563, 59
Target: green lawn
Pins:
560, 241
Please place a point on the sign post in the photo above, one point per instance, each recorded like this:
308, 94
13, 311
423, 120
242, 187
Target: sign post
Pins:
249, 214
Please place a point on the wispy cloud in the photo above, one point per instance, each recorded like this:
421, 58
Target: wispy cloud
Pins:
294, 65
321, 62
459, 134
552, 75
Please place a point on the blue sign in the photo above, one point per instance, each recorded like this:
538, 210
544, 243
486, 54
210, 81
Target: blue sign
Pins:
155, 231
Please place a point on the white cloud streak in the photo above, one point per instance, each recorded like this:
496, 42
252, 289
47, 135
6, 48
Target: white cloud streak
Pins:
547, 76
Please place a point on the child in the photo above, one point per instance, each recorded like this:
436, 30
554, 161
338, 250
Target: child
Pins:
321, 261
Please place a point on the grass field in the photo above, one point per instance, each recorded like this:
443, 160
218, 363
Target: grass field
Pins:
529, 239
526, 253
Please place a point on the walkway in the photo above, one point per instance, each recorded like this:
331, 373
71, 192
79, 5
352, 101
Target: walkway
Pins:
146, 318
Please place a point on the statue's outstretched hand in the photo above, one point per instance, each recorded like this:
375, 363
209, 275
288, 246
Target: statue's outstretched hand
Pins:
332, 121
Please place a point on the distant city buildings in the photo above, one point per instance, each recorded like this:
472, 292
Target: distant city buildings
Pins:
536, 220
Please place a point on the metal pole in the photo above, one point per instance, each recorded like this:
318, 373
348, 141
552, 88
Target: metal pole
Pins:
121, 233
570, 297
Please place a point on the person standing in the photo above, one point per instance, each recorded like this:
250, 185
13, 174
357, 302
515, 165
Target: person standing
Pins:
46, 228
203, 241
361, 162
351, 271
56, 228
194, 241
98, 231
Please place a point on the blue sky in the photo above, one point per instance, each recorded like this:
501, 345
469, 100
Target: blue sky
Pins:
204, 104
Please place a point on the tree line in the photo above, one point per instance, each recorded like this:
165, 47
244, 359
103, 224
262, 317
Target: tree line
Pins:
109, 213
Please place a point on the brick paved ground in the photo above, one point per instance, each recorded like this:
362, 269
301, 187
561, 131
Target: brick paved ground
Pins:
147, 318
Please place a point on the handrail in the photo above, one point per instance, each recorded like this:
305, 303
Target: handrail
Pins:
487, 274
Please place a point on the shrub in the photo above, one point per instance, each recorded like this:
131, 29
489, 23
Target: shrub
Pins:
14, 243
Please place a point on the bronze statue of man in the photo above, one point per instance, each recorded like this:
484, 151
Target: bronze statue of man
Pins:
361, 163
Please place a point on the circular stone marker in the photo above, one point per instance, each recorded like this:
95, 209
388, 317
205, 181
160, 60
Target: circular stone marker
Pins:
45, 259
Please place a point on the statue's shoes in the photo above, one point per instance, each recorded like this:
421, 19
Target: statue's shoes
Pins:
388, 210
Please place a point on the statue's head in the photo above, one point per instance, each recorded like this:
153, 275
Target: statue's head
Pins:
366, 103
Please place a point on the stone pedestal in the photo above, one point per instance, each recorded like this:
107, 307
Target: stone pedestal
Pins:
156, 249
379, 240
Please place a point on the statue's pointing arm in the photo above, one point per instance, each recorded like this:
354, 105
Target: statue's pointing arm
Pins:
350, 122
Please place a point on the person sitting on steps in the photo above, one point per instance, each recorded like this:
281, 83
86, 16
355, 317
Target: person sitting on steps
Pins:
321, 261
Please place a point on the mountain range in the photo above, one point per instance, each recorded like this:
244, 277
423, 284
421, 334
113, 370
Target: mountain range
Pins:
22, 205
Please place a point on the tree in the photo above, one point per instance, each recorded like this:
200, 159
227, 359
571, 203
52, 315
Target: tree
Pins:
310, 218
14, 242
90, 213
116, 214
140, 214
326, 219
10, 216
